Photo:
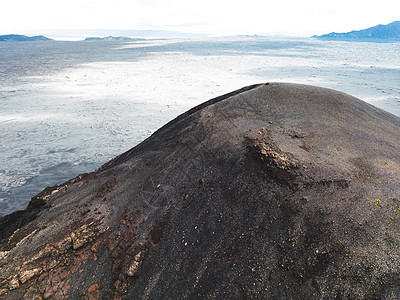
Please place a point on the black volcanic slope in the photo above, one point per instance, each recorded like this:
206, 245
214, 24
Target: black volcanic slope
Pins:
275, 191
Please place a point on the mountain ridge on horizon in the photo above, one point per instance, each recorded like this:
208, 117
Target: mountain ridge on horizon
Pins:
113, 39
23, 38
92, 34
388, 32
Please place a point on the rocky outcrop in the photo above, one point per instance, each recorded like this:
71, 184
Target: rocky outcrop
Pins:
275, 191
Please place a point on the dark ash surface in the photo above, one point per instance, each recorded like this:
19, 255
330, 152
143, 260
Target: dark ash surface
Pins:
273, 191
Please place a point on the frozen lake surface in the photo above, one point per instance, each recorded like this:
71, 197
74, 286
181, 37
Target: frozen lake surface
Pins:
69, 107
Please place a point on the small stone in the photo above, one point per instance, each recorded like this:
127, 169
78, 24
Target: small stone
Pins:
13, 284
133, 268
3, 254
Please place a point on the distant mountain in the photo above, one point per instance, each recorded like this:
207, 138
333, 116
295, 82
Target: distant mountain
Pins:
112, 39
22, 38
389, 32
124, 33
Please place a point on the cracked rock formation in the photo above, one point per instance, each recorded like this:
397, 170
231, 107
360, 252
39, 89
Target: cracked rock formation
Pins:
274, 191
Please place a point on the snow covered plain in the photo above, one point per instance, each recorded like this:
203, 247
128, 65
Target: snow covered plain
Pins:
68, 107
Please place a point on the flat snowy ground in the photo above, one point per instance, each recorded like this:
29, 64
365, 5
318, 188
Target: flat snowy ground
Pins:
67, 112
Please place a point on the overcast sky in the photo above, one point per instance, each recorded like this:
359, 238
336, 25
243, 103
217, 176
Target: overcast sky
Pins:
292, 17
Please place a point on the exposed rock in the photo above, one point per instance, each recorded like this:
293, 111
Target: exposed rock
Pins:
82, 236
274, 191
28, 274
134, 266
